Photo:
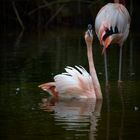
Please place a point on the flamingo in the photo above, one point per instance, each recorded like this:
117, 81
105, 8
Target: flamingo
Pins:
76, 82
112, 26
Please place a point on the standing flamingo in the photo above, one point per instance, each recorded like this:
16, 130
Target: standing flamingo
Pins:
77, 82
112, 26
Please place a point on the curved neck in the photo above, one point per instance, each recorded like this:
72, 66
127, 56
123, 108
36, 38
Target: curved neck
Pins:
92, 70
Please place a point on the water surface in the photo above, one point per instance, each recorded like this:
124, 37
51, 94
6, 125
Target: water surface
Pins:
29, 59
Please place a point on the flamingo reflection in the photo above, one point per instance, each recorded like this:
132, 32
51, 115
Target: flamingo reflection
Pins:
80, 115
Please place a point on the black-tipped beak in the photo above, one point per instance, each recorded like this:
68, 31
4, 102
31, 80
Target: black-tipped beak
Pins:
89, 31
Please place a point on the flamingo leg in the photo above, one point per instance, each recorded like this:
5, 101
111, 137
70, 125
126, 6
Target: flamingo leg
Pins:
120, 65
106, 71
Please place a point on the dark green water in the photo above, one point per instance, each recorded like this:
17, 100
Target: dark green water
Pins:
29, 59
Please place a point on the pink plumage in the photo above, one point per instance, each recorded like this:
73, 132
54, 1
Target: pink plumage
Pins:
112, 24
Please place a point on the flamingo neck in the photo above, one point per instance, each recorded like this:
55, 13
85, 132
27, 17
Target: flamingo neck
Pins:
92, 70
120, 1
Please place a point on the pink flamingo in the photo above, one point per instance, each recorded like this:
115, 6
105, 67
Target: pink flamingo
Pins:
112, 26
76, 82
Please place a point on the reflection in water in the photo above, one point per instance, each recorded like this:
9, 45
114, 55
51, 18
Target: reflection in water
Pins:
108, 113
111, 115
79, 115
120, 91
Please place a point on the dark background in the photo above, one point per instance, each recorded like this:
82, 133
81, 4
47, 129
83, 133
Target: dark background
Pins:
43, 14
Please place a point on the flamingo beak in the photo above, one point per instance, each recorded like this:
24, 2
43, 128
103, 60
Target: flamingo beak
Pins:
89, 31
89, 36
106, 43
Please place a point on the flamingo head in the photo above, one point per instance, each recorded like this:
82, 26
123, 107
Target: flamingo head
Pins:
89, 36
109, 35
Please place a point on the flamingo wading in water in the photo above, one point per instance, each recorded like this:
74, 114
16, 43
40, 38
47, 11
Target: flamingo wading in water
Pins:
112, 26
76, 82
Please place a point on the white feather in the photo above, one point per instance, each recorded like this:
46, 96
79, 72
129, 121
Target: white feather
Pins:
71, 81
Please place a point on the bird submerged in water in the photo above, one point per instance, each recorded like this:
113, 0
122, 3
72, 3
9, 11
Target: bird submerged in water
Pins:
76, 82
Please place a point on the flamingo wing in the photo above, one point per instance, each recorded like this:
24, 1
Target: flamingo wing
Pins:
74, 82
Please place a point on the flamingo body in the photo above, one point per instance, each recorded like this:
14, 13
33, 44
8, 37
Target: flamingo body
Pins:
74, 83
112, 24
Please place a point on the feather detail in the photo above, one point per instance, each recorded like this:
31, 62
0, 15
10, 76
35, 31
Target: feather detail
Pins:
76, 81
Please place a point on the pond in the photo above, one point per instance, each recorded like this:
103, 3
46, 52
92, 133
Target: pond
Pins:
28, 59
